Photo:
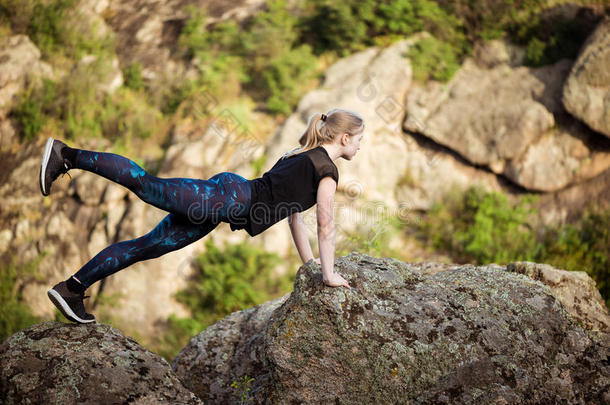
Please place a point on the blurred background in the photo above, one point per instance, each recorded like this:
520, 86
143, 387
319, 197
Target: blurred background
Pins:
487, 140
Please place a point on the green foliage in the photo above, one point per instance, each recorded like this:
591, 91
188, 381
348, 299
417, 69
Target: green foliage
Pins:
76, 107
55, 27
133, 77
278, 71
481, 227
548, 44
241, 389
230, 279
433, 59
236, 277
31, 112
488, 19
286, 79
582, 246
14, 314
214, 49
353, 25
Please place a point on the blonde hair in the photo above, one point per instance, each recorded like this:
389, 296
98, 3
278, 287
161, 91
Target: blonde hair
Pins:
337, 122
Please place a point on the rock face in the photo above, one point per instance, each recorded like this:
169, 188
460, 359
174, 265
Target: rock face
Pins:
147, 30
55, 362
511, 120
586, 93
575, 289
405, 333
20, 64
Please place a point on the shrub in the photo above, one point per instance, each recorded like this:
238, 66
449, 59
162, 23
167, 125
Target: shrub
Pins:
482, 227
278, 71
34, 108
233, 278
433, 59
563, 39
14, 314
55, 28
79, 110
133, 76
347, 26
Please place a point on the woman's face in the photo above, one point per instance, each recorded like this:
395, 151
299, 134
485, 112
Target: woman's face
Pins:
353, 146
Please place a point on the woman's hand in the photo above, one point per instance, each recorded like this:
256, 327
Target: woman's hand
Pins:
337, 281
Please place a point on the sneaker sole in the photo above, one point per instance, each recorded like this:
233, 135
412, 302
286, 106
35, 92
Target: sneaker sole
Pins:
64, 308
43, 165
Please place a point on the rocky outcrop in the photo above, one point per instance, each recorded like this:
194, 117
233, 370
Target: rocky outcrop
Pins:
147, 31
511, 120
231, 347
575, 289
55, 362
20, 65
421, 333
586, 93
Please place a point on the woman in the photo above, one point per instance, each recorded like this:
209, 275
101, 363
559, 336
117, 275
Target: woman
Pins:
300, 178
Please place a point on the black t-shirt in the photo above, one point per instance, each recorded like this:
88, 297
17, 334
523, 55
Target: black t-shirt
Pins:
290, 186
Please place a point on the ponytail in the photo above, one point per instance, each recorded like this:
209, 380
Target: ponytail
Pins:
323, 128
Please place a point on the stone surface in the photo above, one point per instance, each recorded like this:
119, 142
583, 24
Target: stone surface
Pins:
405, 333
511, 120
147, 31
54, 362
20, 65
575, 289
586, 93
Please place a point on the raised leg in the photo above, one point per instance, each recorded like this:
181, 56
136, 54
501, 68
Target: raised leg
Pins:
216, 199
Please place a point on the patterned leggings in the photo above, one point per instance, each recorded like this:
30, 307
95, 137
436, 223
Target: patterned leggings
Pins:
195, 208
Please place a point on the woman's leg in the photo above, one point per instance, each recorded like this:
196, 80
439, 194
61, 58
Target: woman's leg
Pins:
215, 199
172, 233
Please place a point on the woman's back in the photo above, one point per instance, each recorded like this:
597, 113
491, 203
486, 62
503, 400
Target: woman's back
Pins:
289, 186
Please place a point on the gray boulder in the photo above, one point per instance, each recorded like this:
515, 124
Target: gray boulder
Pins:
405, 333
55, 362
586, 93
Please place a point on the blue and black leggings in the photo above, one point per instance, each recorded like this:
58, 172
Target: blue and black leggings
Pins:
195, 208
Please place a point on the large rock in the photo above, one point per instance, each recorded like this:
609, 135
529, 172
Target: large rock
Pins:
567, 205
575, 289
511, 120
20, 65
404, 333
55, 362
586, 93
566, 155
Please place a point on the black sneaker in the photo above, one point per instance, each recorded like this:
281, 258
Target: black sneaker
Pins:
53, 164
69, 303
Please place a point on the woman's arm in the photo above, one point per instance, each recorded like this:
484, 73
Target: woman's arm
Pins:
299, 234
326, 232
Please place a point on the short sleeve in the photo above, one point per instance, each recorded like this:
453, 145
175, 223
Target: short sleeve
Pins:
329, 170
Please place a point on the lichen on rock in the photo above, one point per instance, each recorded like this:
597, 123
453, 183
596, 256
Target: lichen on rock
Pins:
54, 362
463, 334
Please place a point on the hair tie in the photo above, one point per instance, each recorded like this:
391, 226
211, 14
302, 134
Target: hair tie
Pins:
323, 117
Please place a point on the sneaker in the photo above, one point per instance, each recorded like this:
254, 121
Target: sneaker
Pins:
69, 303
53, 164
